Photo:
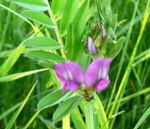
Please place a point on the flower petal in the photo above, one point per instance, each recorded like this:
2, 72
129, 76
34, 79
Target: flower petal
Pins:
70, 71
105, 69
64, 89
92, 73
72, 86
102, 85
76, 72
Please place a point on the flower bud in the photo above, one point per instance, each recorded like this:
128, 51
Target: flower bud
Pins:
91, 46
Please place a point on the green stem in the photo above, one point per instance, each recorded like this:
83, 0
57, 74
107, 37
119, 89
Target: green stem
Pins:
57, 31
89, 115
66, 122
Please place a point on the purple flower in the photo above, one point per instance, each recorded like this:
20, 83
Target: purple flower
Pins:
96, 75
70, 75
91, 46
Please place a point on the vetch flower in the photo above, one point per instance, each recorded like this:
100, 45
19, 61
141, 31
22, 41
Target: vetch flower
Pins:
91, 46
96, 75
70, 75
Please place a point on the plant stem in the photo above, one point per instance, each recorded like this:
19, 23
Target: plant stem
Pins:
66, 122
89, 115
59, 38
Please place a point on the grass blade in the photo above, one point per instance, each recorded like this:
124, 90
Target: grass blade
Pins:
144, 116
15, 116
11, 60
16, 76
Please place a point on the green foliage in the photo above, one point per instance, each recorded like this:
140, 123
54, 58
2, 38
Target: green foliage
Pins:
37, 34
11, 60
52, 99
14, 117
39, 17
32, 4
46, 56
144, 116
113, 49
19, 75
42, 43
66, 107
77, 119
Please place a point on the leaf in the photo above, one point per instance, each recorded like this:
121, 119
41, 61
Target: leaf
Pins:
46, 64
16, 76
69, 45
81, 18
107, 13
66, 107
113, 49
58, 6
16, 114
11, 60
70, 10
42, 43
47, 122
39, 17
10, 110
47, 56
77, 119
101, 113
79, 23
39, 5
114, 21
144, 116
52, 99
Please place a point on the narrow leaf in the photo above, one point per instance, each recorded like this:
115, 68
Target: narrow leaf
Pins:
39, 17
52, 99
101, 113
66, 107
11, 60
47, 56
39, 5
70, 10
42, 43
113, 49
144, 116
16, 114
77, 119
16, 76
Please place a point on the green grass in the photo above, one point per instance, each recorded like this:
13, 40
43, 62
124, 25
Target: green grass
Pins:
124, 105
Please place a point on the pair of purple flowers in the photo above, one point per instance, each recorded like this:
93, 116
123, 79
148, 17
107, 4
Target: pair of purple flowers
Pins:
72, 76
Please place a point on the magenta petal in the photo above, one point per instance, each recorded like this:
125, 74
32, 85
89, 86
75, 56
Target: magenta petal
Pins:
102, 85
70, 75
64, 89
76, 72
105, 69
72, 86
70, 71
92, 73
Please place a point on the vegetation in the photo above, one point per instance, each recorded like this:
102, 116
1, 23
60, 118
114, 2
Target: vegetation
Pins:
35, 35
